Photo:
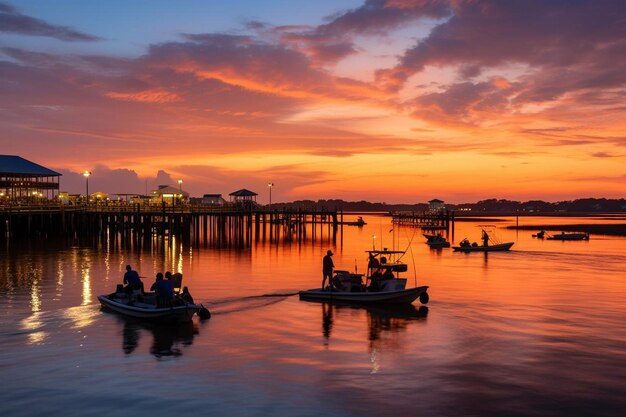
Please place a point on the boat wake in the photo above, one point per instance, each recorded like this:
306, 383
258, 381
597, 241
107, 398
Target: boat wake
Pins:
238, 304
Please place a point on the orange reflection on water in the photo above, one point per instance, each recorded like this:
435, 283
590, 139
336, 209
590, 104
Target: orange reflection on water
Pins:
33, 324
81, 316
86, 292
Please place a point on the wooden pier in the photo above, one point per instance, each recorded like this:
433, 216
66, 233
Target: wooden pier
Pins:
194, 225
427, 220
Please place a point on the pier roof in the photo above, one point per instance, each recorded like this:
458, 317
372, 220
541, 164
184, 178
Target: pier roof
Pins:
243, 193
16, 165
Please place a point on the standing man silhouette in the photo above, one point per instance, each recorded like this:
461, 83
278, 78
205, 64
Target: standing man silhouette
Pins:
327, 268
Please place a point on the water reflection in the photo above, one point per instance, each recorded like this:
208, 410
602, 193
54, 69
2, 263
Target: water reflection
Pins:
387, 318
167, 340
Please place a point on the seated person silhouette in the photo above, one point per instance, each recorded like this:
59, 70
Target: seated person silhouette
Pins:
132, 280
164, 291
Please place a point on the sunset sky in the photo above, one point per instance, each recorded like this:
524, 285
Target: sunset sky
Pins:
395, 101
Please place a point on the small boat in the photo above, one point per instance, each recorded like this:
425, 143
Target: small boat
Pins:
438, 242
429, 237
540, 235
358, 222
145, 307
487, 246
569, 236
490, 248
381, 285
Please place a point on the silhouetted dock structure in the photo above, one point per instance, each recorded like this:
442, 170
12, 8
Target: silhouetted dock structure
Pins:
195, 225
427, 220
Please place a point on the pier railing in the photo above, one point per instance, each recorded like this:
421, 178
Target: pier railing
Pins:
427, 220
229, 225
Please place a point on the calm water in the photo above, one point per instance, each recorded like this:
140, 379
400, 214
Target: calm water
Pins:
537, 331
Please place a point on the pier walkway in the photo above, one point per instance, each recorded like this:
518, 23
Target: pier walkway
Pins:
219, 226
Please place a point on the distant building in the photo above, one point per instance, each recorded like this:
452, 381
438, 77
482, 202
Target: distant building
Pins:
99, 196
69, 199
23, 180
436, 205
243, 196
213, 200
169, 195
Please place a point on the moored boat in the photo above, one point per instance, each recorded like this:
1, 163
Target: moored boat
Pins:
381, 285
357, 222
437, 242
569, 236
429, 237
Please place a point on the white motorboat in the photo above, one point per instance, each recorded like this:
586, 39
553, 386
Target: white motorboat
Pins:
145, 307
381, 285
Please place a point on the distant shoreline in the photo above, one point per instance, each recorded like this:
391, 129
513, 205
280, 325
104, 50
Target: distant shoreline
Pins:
615, 215
597, 229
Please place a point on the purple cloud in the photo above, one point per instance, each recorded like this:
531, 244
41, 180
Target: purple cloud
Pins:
574, 45
332, 41
12, 21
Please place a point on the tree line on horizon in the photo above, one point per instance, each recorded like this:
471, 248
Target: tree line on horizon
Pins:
492, 205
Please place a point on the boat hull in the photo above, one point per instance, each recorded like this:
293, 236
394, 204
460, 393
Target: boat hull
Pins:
438, 245
176, 314
491, 248
382, 297
570, 236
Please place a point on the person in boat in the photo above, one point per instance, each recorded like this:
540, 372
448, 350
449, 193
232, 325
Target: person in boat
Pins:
164, 291
327, 268
386, 273
485, 239
378, 275
465, 243
132, 280
374, 266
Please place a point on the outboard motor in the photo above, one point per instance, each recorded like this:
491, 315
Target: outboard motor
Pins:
204, 313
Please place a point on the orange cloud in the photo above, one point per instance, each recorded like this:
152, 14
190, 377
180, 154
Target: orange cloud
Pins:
148, 96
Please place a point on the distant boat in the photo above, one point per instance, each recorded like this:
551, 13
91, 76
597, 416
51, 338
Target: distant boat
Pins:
438, 242
569, 236
429, 237
540, 235
491, 248
358, 222
466, 246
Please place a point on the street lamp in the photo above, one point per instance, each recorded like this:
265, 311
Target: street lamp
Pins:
86, 174
270, 185
180, 190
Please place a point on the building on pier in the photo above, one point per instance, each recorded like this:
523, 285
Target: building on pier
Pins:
169, 195
24, 181
213, 200
436, 205
243, 197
